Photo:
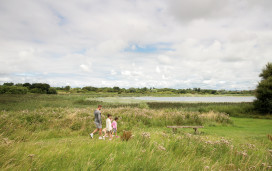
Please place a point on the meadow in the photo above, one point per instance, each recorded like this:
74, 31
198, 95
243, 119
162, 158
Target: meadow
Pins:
51, 132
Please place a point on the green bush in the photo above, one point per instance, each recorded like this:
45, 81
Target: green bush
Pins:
38, 91
13, 90
52, 91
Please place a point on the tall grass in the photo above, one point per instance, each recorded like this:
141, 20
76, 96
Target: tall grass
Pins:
161, 150
50, 132
58, 122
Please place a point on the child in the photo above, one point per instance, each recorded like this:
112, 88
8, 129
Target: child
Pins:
108, 126
104, 131
114, 126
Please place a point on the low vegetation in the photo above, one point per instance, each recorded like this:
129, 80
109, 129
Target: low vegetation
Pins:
37, 88
51, 132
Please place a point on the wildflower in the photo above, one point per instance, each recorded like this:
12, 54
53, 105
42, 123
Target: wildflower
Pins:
31, 155
231, 165
188, 134
164, 134
179, 137
146, 135
160, 147
252, 168
206, 167
208, 142
243, 153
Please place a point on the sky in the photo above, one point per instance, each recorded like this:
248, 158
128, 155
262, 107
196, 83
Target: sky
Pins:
209, 44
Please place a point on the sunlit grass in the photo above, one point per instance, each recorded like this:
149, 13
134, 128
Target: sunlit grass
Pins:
52, 133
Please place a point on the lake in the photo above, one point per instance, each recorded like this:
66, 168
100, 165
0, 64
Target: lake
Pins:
200, 99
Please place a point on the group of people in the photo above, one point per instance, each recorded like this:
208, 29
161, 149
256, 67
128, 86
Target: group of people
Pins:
111, 127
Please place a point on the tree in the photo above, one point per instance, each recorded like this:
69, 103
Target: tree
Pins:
116, 89
67, 88
19, 85
13, 90
90, 88
132, 90
8, 84
28, 85
40, 88
263, 103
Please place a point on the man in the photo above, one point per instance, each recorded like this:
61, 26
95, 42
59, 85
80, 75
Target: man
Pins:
98, 122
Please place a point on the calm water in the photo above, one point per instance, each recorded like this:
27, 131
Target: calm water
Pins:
200, 99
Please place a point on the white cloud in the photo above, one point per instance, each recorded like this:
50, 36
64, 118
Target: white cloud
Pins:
164, 59
85, 68
156, 43
158, 70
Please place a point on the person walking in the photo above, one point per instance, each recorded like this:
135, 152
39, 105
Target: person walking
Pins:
98, 122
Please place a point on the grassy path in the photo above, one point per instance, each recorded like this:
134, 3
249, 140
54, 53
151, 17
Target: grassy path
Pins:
243, 129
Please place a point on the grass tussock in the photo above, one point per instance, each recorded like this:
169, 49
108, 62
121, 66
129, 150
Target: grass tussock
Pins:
269, 137
126, 135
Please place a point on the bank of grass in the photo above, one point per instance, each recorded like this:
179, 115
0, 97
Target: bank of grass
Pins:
51, 132
51, 122
215, 148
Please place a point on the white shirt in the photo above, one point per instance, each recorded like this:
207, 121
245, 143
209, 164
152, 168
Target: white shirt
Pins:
108, 124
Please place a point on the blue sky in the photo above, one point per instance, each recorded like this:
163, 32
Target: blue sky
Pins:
156, 43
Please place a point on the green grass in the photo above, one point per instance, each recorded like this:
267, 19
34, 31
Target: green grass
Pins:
51, 132
183, 151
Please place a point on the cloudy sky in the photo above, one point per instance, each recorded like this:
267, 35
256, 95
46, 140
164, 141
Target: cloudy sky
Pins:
135, 43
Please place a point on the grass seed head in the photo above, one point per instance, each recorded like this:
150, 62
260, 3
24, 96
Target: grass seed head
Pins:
160, 147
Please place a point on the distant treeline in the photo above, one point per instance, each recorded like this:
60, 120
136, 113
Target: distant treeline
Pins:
39, 88
43, 88
152, 90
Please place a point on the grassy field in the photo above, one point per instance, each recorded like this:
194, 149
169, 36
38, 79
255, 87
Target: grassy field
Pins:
51, 132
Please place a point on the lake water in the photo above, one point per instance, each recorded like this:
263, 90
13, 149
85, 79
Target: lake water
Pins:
200, 99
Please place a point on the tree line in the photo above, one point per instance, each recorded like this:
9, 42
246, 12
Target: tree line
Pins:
151, 90
38, 88
43, 88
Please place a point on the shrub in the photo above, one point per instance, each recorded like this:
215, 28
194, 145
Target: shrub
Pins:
2, 89
8, 84
126, 135
52, 91
13, 90
269, 137
38, 91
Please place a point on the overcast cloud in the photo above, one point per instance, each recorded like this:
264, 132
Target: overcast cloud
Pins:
136, 43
